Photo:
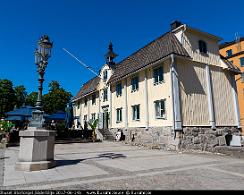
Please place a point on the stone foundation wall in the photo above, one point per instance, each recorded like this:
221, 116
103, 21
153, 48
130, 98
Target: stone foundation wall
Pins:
154, 137
206, 139
197, 138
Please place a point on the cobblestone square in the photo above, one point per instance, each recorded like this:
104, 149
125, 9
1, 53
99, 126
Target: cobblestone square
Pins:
117, 166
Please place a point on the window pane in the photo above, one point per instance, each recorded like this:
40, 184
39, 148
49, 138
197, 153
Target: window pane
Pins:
229, 53
138, 112
134, 83
162, 108
202, 46
117, 113
155, 75
157, 109
242, 77
160, 74
242, 61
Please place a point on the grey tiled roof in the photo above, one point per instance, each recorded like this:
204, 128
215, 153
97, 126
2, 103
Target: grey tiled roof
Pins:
161, 47
88, 87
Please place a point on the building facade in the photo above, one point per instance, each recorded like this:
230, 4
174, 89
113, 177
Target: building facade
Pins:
175, 92
234, 52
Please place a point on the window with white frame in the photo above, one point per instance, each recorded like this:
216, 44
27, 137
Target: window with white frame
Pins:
85, 101
136, 112
158, 75
160, 109
118, 89
134, 83
105, 75
93, 116
93, 99
105, 95
119, 115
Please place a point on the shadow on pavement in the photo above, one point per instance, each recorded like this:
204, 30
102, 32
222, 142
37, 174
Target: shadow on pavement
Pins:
76, 161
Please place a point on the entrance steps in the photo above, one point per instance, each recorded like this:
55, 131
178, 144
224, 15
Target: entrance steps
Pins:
107, 135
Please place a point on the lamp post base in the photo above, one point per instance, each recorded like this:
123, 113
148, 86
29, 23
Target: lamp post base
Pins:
34, 166
36, 149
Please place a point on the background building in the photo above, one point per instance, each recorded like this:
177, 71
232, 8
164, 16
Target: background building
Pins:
234, 52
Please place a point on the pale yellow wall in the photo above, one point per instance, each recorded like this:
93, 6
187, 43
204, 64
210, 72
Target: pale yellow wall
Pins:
223, 97
212, 56
155, 92
158, 92
94, 108
193, 93
118, 102
189, 40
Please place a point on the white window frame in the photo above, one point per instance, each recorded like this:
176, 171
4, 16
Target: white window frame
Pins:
94, 103
162, 111
158, 76
136, 112
118, 115
132, 78
93, 116
118, 94
104, 79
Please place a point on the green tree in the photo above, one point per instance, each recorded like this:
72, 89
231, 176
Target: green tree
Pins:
53, 86
31, 99
20, 94
7, 96
56, 99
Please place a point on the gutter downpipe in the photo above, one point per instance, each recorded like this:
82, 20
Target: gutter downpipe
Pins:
177, 123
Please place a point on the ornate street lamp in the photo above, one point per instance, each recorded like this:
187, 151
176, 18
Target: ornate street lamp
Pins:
36, 143
42, 53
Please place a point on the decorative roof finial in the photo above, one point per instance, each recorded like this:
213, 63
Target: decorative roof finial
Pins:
110, 55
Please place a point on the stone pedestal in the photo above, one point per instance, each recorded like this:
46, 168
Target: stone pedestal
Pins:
36, 149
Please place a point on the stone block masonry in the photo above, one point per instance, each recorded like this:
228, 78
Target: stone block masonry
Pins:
153, 138
206, 139
196, 138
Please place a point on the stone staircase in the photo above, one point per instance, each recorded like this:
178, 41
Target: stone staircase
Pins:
107, 135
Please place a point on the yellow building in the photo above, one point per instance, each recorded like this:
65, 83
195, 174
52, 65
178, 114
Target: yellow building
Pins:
176, 92
234, 52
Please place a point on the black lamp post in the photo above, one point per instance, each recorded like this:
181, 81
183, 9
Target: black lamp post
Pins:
42, 53
37, 143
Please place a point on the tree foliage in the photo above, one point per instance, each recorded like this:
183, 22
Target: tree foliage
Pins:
7, 96
31, 99
56, 99
20, 94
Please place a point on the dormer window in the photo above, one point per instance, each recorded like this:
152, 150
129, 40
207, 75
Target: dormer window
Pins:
105, 75
202, 46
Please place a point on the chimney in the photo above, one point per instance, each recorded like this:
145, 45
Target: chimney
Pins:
175, 24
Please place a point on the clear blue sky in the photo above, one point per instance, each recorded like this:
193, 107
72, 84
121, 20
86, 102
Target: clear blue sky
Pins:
85, 27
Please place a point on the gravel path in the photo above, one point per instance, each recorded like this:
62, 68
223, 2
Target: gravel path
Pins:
1, 166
